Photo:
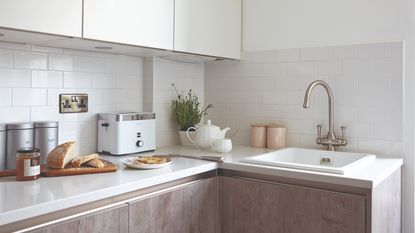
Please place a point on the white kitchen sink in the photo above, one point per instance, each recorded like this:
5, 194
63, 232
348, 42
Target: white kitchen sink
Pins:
314, 160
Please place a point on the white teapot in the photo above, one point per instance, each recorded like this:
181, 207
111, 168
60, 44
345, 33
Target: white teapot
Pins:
206, 135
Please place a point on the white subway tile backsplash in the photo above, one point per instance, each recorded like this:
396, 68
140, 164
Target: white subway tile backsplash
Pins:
14, 78
45, 113
53, 96
388, 131
262, 84
373, 146
32, 77
314, 54
42, 78
29, 97
6, 58
300, 126
358, 67
128, 81
287, 55
388, 67
367, 85
374, 114
103, 81
91, 64
246, 69
30, 60
273, 97
300, 68
76, 80
375, 50
62, 62
397, 50
14, 114
5, 97
328, 68
135, 66
264, 110
274, 69
263, 56
343, 52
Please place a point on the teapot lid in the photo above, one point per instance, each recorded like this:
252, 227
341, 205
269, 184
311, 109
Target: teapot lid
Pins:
209, 125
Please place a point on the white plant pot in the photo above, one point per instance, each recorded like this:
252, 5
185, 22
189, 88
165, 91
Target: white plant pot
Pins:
184, 141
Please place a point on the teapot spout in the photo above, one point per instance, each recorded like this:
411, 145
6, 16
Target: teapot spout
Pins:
223, 132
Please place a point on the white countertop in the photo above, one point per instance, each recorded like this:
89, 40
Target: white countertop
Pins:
21, 200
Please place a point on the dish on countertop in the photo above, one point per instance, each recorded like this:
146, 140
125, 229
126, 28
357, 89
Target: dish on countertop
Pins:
147, 162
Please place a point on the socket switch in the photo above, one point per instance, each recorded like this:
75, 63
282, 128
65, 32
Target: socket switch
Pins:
73, 103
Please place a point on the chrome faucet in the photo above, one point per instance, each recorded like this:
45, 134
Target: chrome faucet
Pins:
330, 140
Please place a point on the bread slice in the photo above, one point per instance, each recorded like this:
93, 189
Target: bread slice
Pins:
96, 163
79, 160
62, 155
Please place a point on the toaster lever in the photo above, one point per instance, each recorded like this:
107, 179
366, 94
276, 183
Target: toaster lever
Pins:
106, 126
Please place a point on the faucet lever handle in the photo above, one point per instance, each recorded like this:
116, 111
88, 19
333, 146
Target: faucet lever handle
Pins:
319, 131
343, 128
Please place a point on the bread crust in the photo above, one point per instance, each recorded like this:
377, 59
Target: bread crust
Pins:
61, 155
96, 163
79, 160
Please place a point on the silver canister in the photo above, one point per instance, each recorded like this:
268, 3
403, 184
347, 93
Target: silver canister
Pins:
46, 137
2, 147
19, 135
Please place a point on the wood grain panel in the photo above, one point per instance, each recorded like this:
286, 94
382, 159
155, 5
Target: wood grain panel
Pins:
190, 209
386, 205
252, 206
112, 221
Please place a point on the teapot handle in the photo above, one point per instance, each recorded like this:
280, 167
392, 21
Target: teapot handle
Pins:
188, 136
212, 147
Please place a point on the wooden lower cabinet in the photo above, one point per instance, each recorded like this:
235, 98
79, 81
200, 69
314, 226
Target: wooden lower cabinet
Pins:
191, 209
249, 206
114, 220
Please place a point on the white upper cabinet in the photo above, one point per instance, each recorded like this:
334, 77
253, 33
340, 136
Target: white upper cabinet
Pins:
208, 27
60, 17
146, 23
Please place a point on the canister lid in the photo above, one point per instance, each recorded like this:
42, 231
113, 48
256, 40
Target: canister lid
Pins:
28, 150
2, 127
275, 126
20, 125
259, 125
46, 124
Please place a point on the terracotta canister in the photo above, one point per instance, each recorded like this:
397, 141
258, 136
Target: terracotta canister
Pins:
276, 136
259, 135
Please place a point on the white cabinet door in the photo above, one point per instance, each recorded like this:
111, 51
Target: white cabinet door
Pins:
146, 23
60, 17
208, 27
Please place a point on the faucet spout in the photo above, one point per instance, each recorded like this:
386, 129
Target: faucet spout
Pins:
331, 139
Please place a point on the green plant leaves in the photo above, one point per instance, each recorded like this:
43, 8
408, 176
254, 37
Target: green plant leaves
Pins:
187, 109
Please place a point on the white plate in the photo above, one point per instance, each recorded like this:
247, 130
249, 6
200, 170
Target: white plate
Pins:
131, 162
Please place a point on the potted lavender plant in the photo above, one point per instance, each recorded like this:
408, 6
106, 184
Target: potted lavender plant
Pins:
188, 112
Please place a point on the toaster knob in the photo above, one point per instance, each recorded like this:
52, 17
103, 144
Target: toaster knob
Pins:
139, 143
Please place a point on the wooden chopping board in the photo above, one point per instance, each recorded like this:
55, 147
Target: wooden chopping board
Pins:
69, 170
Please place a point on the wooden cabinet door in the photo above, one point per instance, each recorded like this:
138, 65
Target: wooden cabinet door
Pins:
146, 23
208, 27
60, 17
251, 206
113, 220
189, 209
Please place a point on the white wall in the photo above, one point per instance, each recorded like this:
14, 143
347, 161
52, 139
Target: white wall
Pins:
271, 24
269, 86
276, 24
159, 74
32, 77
